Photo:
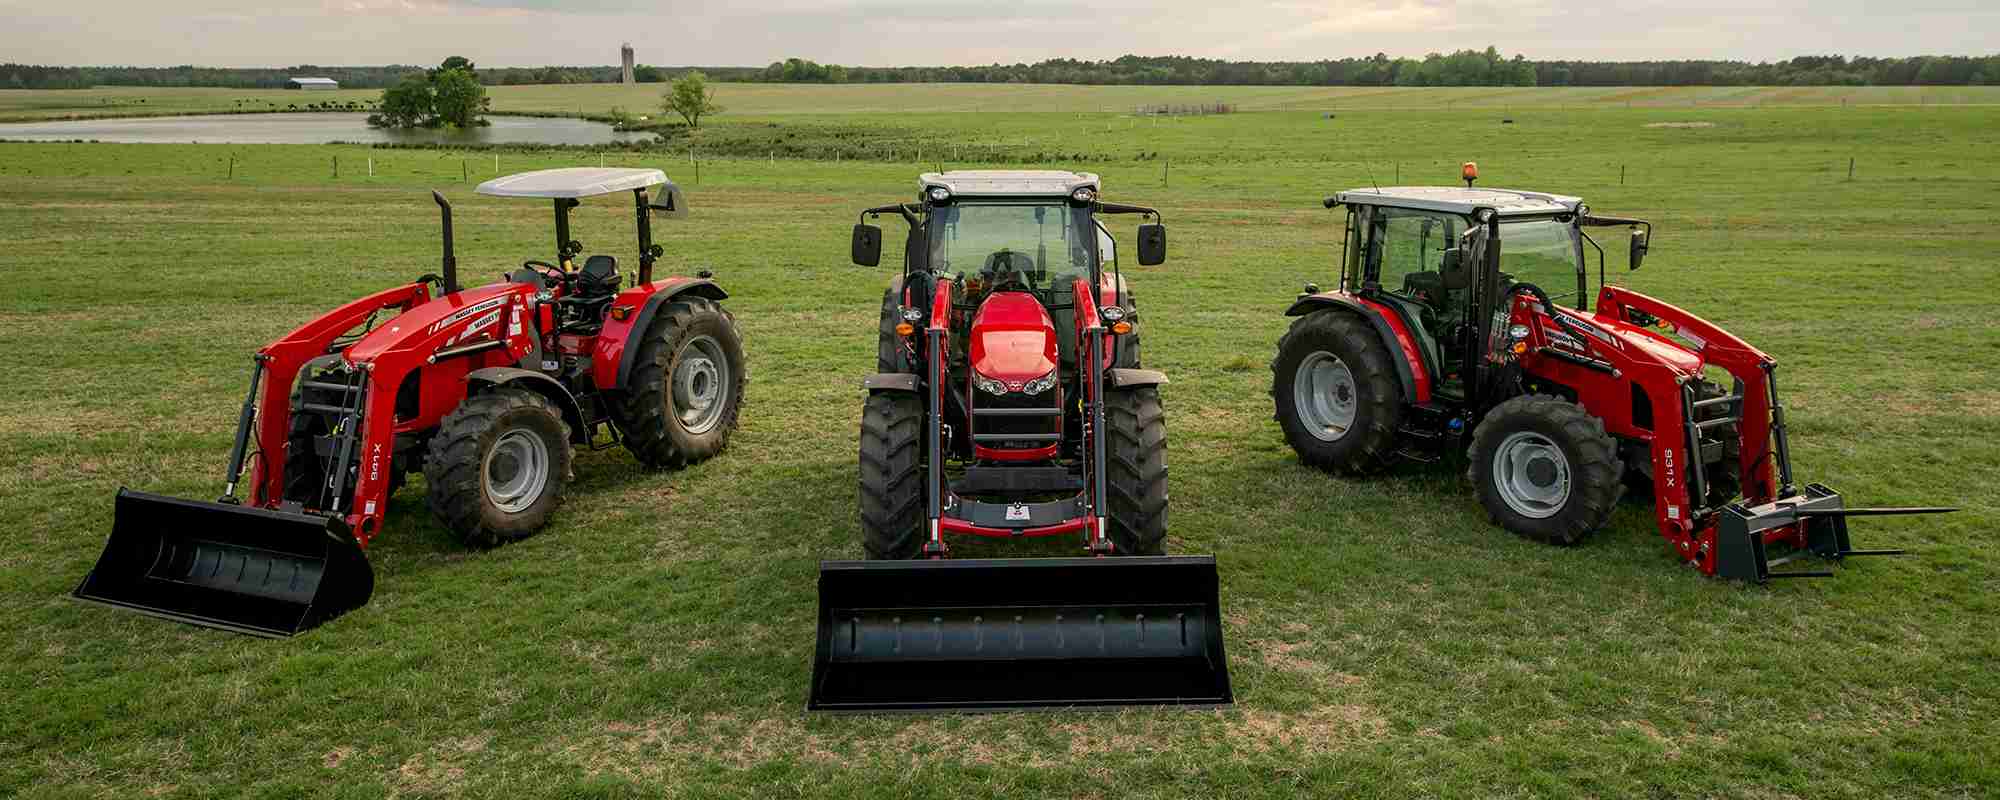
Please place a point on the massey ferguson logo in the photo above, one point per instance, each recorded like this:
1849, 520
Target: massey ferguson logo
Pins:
483, 305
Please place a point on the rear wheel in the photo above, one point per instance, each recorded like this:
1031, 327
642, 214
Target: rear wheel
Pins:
1135, 471
686, 386
892, 475
497, 466
1335, 391
1545, 469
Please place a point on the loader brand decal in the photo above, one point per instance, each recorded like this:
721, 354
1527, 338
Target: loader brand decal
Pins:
475, 308
375, 463
1673, 479
1564, 340
1017, 512
492, 318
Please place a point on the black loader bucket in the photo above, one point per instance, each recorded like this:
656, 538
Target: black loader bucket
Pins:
992, 634
248, 570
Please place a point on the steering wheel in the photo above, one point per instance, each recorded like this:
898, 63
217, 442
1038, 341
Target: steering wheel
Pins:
1006, 273
551, 275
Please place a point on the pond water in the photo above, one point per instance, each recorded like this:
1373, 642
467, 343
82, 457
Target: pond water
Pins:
313, 128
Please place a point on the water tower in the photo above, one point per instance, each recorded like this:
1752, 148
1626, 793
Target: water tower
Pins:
625, 56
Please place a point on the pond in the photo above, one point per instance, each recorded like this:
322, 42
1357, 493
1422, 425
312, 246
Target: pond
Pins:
314, 128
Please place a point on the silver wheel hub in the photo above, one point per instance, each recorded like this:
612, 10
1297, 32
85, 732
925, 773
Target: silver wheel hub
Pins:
516, 471
1531, 475
1324, 392
701, 385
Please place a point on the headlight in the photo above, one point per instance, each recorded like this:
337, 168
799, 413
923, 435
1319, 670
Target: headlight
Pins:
1517, 332
1083, 194
940, 194
1111, 313
988, 385
912, 314
1040, 385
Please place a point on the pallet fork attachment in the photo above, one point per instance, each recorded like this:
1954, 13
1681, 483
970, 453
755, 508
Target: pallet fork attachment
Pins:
1817, 516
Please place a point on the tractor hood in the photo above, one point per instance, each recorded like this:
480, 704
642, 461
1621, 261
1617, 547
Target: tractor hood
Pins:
1013, 339
1641, 343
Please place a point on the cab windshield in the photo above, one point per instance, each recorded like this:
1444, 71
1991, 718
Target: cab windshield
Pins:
1546, 253
1029, 246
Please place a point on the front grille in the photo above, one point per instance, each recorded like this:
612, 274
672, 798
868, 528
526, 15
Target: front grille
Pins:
1034, 419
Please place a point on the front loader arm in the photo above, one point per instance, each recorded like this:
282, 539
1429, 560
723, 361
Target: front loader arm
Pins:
284, 358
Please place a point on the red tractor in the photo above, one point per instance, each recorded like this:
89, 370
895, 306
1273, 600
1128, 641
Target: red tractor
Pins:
1463, 322
1010, 402
486, 390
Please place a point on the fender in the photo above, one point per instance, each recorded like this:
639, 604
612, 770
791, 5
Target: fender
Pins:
890, 382
1133, 378
611, 360
538, 383
1416, 387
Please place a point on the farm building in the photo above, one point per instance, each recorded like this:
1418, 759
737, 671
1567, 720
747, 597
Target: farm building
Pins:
312, 84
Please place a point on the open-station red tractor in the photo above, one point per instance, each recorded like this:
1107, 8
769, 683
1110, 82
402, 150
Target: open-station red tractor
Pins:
486, 390
1009, 402
1463, 321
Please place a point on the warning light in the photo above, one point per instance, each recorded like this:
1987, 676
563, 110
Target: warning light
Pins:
905, 329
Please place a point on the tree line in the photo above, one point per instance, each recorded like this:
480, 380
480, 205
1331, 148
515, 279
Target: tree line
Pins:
1461, 68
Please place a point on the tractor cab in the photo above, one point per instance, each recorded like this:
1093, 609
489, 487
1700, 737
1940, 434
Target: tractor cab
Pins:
1421, 253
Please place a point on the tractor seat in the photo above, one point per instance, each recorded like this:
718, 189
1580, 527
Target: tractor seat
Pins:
599, 275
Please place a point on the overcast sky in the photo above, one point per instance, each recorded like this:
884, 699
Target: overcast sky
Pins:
943, 32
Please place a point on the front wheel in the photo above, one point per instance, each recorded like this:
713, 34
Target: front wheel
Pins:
1545, 469
497, 466
686, 387
892, 475
1135, 471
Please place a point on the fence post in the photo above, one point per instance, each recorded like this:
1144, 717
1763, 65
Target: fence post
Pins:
464, 171
371, 166
232, 168
1166, 169
1621, 174
1850, 168
336, 168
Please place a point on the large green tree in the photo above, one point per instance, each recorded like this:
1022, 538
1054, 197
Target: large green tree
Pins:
691, 98
447, 95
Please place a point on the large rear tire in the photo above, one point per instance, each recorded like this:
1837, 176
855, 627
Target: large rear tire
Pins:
1335, 390
892, 475
686, 387
1135, 471
497, 466
1545, 469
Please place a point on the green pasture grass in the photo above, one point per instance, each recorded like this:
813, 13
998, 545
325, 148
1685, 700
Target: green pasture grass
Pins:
1385, 639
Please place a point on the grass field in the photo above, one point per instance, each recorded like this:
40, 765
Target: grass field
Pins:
1384, 639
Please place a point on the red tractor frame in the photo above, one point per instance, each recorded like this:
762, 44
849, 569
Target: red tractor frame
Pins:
486, 389
1438, 339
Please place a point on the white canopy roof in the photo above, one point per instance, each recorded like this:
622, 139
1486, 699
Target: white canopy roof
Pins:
572, 182
974, 182
1462, 200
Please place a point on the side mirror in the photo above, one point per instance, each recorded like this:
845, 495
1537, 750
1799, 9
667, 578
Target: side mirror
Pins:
867, 245
1638, 255
671, 203
1152, 245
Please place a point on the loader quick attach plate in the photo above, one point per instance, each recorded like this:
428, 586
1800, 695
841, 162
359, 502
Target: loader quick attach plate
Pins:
997, 634
248, 570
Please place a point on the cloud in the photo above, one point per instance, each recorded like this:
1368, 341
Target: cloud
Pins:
933, 32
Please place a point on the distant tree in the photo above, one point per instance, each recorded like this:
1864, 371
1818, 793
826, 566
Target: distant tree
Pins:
407, 104
458, 97
447, 95
647, 73
691, 98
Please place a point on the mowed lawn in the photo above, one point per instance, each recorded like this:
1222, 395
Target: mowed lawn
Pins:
1384, 638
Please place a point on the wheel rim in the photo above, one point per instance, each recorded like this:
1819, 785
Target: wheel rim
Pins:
516, 471
701, 384
1323, 391
1531, 474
